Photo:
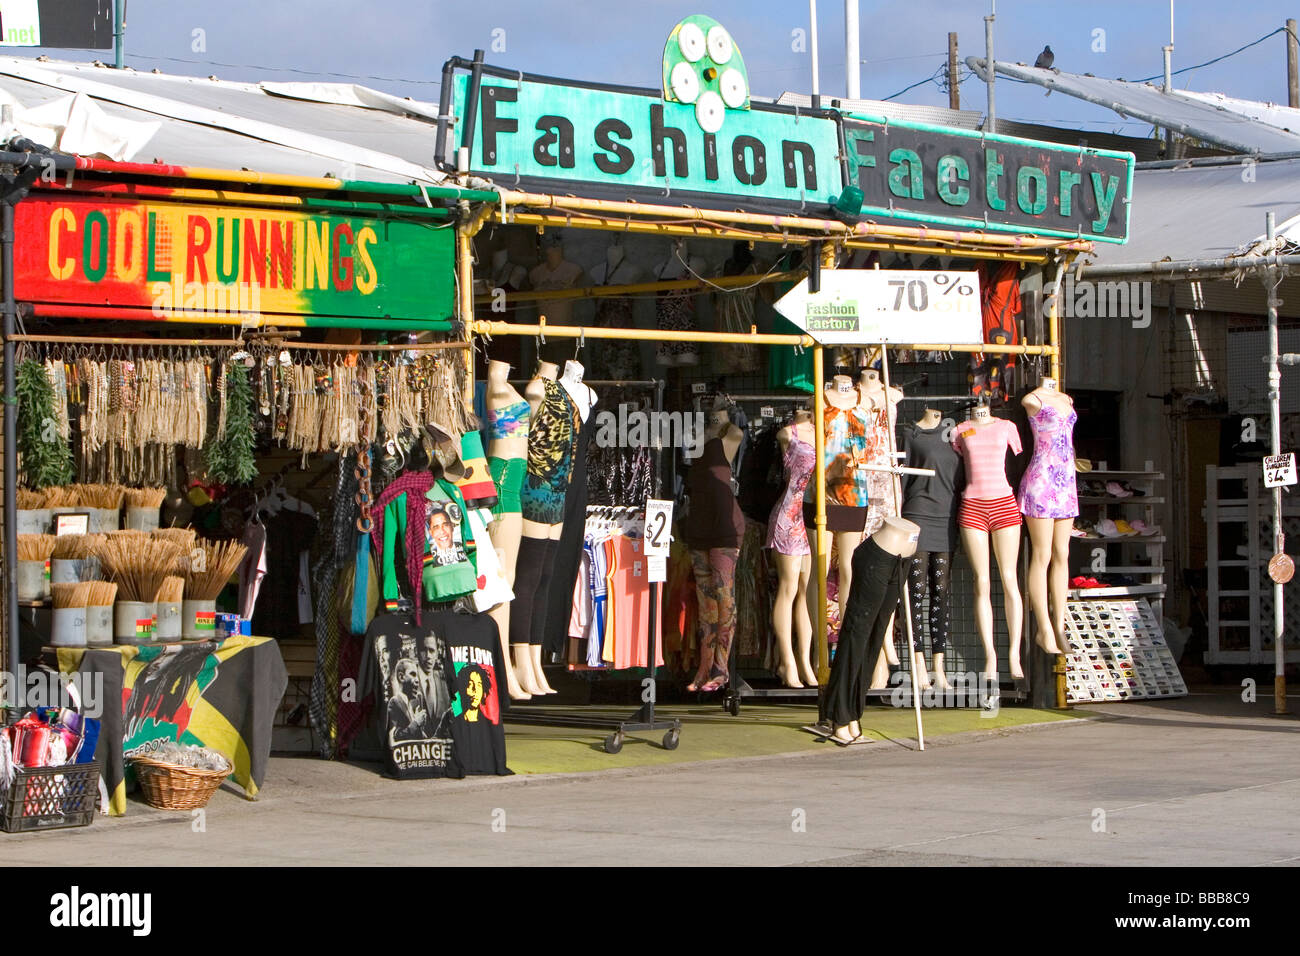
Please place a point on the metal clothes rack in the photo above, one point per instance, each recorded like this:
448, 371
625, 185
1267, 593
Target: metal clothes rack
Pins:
644, 719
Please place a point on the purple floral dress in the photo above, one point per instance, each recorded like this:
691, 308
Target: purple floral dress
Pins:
786, 533
1048, 488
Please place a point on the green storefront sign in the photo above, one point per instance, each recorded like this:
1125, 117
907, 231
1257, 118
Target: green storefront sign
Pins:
532, 130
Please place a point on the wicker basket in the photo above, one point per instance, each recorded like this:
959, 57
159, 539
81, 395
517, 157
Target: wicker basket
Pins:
168, 786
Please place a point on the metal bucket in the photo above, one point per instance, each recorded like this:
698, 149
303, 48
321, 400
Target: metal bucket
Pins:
142, 519
68, 570
99, 625
34, 520
169, 621
199, 620
33, 585
68, 627
135, 622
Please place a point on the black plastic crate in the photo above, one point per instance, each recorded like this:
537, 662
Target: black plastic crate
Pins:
50, 798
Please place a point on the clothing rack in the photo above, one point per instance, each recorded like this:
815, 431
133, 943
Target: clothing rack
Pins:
235, 343
644, 719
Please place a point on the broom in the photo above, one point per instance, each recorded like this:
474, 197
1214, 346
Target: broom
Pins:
204, 579
145, 497
71, 595
138, 563
74, 547
29, 500
36, 547
172, 590
101, 594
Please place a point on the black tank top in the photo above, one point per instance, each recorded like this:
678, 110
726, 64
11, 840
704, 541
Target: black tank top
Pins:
714, 519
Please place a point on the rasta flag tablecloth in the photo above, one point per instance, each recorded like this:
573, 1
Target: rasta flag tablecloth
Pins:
221, 695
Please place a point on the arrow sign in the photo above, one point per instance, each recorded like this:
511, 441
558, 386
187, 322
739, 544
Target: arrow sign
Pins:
868, 306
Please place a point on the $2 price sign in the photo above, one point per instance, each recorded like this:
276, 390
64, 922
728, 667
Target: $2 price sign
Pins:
658, 527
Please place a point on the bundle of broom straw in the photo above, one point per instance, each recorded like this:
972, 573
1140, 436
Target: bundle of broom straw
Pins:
75, 547
71, 595
207, 572
101, 594
60, 496
36, 547
172, 590
138, 563
104, 497
145, 497
29, 500
182, 536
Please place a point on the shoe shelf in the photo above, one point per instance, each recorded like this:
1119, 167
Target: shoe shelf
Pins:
1143, 506
1118, 652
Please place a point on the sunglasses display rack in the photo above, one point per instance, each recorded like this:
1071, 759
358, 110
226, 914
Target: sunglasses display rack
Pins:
1118, 652
1119, 538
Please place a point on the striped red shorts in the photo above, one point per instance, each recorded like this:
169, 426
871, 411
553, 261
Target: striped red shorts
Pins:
988, 514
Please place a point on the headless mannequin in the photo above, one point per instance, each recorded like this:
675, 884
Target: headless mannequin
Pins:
528, 657
842, 394
1049, 573
790, 606
874, 396
931, 419
617, 268
506, 530
1006, 548
581, 394
897, 536
506, 274
711, 674
555, 272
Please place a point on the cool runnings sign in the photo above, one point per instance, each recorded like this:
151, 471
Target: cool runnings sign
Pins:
526, 131
174, 257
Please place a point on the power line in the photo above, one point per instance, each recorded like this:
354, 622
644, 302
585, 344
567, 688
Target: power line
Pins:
1217, 59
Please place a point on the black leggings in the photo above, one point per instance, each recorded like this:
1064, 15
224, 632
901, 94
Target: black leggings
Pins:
532, 583
928, 573
873, 599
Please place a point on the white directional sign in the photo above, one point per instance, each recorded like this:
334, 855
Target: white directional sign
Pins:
1279, 470
868, 306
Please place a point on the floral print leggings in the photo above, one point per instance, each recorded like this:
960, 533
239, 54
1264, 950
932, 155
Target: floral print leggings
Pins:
715, 587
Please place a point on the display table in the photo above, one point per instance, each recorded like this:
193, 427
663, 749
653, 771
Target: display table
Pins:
221, 695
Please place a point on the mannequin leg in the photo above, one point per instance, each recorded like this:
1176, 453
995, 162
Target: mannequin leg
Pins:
976, 545
1058, 579
940, 592
540, 606
1040, 558
846, 542
1006, 548
505, 532
707, 616
528, 572
784, 608
722, 562
803, 627
918, 572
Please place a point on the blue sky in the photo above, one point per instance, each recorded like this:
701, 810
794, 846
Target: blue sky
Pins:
400, 45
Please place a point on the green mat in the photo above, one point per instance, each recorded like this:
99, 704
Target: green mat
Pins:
710, 734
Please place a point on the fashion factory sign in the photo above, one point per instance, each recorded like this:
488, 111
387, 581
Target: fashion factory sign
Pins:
531, 132
174, 257
924, 173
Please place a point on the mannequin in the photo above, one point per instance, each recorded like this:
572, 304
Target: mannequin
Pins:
555, 272
507, 275
877, 584
931, 503
846, 428
713, 529
881, 411
552, 438
616, 359
788, 539
1049, 501
675, 311
989, 513
507, 421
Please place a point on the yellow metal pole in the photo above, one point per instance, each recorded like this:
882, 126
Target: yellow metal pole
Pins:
1054, 339
604, 291
819, 496
465, 305
636, 335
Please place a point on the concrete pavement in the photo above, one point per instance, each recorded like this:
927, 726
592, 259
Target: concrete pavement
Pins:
1203, 780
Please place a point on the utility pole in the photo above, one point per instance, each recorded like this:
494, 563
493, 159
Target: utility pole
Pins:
852, 58
991, 123
954, 91
1292, 66
119, 31
816, 88
1272, 279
